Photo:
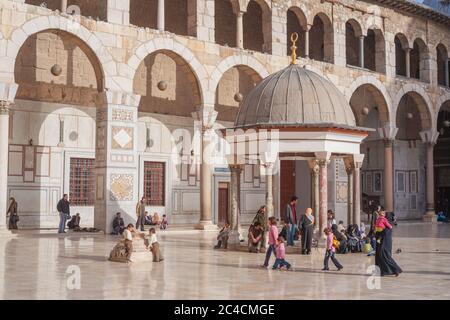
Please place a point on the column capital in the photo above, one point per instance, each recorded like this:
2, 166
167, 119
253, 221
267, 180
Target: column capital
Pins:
349, 165
323, 158
236, 167
429, 137
4, 107
358, 161
205, 117
314, 166
8, 92
388, 134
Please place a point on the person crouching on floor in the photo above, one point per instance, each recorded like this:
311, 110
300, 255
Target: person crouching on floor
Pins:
330, 250
154, 246
280, 253
164, 222
222, 237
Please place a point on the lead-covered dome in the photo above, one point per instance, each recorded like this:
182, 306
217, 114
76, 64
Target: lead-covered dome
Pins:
295, 96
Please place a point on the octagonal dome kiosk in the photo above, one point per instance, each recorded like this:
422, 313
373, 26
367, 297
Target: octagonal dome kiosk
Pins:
296, 114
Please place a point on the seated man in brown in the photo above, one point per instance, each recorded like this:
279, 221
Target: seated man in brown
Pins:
74, 223
255, 234
222, 237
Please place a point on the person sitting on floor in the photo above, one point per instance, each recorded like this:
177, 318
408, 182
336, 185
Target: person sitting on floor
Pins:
148, 219
341, 227
74, 223
118, 224
164, 222
222, 237
255, 233
156, 220
341, 238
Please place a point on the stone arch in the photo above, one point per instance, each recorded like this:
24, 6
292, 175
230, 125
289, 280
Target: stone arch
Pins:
418, 59
375, 51
258, 26
21, 34
441, 60
167, 44
423, 102
296, 22
321, 38
443, 100
401, 45
375, 84
225, 22
353, 32
228, 63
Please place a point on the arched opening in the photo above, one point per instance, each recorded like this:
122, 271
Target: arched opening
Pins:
401, 44
352, 43
441, 57
180, 17
442, 161
143, 13
371, 111
232, 89
410, 176
225, 22
321, 45
257, 27
418, 59
96, 10
296, 22
374, 51
53, 127
170, 175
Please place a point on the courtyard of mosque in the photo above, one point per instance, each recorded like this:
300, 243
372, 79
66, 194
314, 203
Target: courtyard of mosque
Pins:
42, 265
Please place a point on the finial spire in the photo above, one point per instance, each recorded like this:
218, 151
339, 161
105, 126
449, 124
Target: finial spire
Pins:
294, 38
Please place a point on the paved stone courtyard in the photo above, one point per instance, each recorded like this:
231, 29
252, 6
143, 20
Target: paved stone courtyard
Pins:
34, 265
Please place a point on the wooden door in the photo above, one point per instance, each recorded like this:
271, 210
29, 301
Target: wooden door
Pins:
223, 203
287, 184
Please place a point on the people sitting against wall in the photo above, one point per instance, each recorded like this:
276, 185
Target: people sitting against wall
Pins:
164, 222
118, 224
355, 242
255, 234
222, 237
341, 227
156, 219
341, 238
148, 220
74, 223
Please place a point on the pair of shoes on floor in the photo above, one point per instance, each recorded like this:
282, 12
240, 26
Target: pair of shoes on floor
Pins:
325, 269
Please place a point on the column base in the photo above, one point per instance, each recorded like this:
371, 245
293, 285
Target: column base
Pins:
430, 216
206, 226
234, 239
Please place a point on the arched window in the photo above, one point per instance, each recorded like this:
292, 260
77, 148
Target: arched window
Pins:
296, 22
321, 41
257, 27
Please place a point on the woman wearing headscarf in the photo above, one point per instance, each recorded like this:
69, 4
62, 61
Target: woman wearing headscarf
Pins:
306, 226
12, 214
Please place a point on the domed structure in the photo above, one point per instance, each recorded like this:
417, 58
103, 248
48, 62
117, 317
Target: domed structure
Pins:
295, 96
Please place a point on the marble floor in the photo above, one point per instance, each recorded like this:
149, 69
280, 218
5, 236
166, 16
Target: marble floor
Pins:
38, 265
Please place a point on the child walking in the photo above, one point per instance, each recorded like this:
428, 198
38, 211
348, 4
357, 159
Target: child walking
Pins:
154, 246
280, 261
273, 236
330, 250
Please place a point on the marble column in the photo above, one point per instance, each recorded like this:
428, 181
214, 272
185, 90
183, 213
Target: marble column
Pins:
116, 159
447, 75
206, 119
408, 62
357, 164
308, 27
269, 200
315, 168
429, 138
161, 15
349, 169
388, 134
7, 95
240, 29
323, 158
234, 211
64, 6
361, 51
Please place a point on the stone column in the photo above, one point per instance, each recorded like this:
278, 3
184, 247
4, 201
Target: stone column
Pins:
7, 95
349, 168
315, 168
388, 133
161, 15
206, 118
361, 51
408, 62
269, 200
64, 6
323, 160
240, 29
308, 27
234, 212
357, 164
116, 159
429, 138
447, 75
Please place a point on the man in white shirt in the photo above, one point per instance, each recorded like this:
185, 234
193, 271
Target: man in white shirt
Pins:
128, 241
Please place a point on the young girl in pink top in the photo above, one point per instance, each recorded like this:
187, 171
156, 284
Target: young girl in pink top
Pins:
381, 224
330, 250
280, 250
273, 236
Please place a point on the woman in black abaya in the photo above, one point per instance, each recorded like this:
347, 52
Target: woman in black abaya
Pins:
306, 227
383, 256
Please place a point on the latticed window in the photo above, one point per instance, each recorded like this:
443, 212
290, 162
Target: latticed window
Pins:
82, 182
154, 181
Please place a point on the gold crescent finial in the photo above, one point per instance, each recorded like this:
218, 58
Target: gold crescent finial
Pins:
294, 38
